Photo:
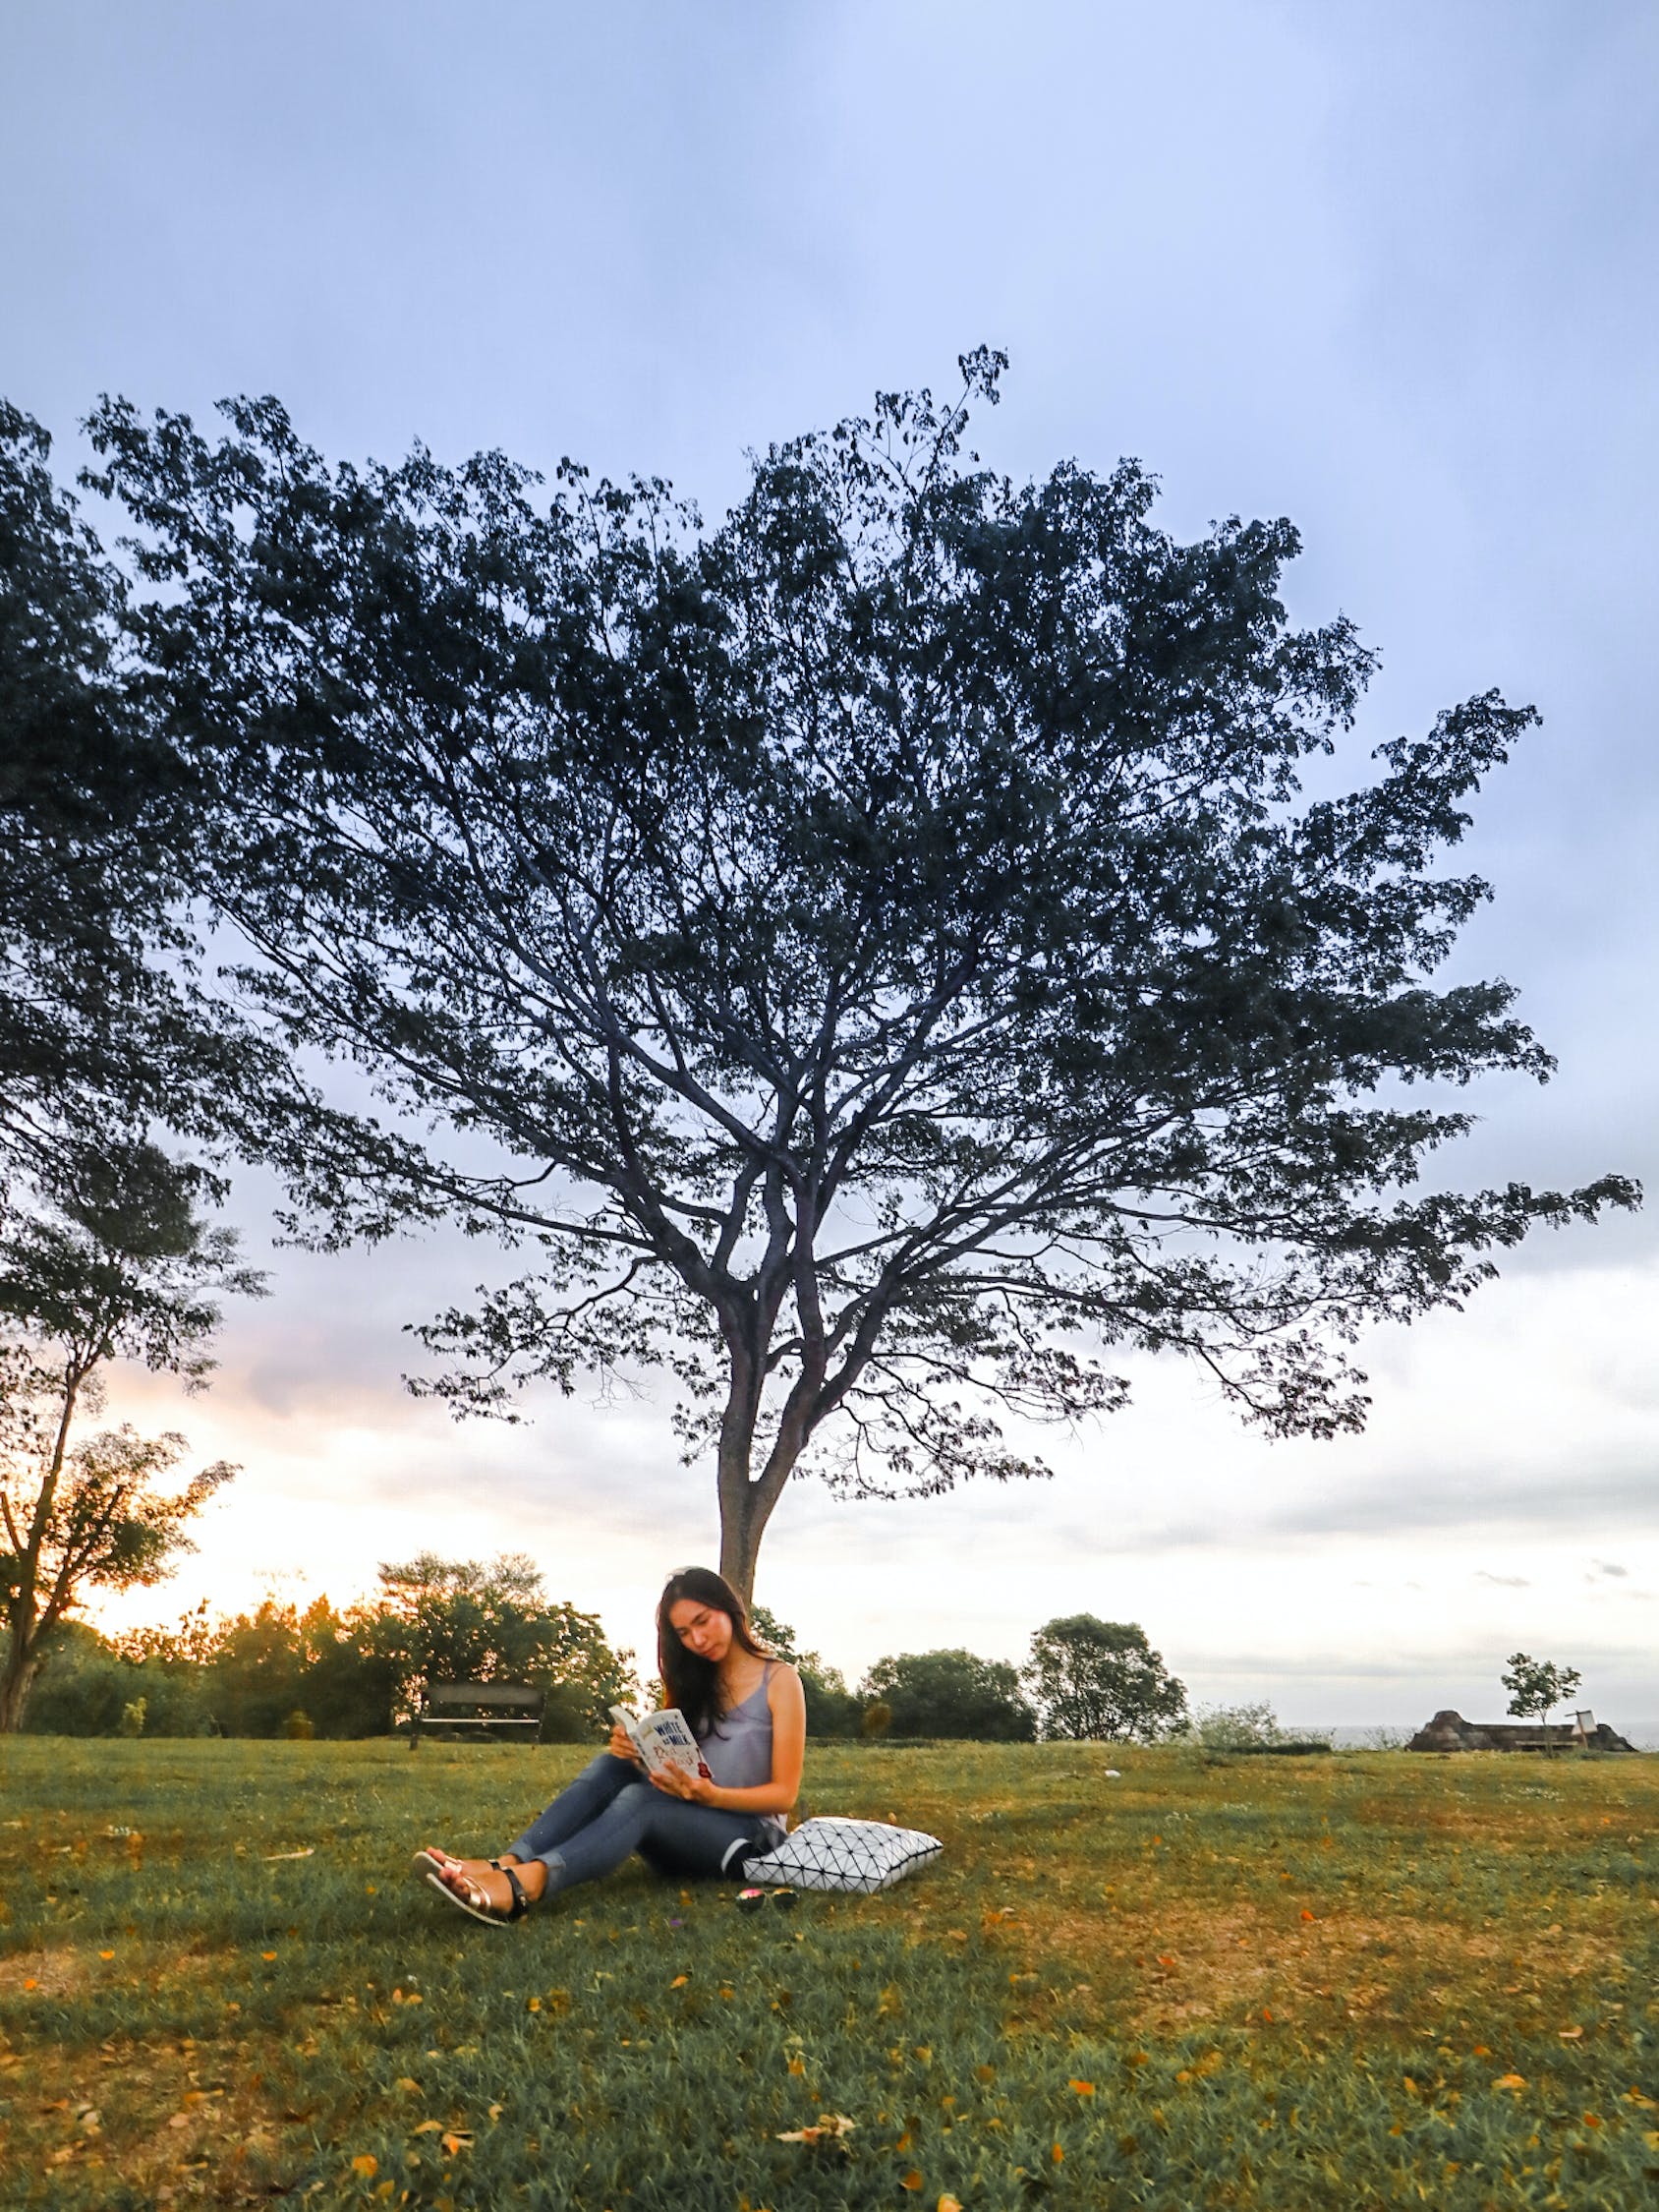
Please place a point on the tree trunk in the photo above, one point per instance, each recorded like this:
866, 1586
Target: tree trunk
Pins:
747, 1500
746, 1506
744, 1514
16, 1682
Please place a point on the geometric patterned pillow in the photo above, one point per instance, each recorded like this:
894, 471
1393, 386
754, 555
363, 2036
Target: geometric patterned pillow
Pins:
838, 1854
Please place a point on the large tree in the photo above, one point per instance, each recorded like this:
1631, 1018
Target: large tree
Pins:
874, 958
113, 1262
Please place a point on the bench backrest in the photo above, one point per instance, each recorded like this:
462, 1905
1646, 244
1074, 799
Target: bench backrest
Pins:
497, 1697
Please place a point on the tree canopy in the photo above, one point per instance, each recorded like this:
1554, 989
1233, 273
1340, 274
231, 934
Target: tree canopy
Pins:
874, 958
951, 1693
1101, 1679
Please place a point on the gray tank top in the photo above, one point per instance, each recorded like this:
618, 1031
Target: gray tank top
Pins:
738, 1747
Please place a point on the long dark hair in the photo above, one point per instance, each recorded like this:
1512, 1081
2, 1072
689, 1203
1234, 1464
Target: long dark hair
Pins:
690, 1682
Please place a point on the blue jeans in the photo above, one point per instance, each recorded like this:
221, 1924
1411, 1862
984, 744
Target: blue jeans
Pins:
608, 1812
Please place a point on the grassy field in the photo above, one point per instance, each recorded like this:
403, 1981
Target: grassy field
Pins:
1358, 1981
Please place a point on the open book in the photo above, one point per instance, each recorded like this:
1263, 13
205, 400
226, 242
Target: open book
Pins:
662, 1739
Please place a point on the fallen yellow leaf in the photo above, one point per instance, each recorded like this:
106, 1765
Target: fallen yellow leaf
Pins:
1510, 2081
679, 1981
1058, 2155
948, 2203
1570, 2035
833, 2123
429, 2128
366, 2165
1082, 2088
911, 2181
409, 2087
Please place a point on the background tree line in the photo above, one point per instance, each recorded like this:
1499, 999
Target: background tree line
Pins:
325, 1671
319, 1670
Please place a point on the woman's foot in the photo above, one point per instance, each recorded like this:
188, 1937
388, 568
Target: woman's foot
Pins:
435, 1860
483, 1886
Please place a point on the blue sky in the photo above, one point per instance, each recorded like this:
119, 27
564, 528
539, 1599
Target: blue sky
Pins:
1387, 269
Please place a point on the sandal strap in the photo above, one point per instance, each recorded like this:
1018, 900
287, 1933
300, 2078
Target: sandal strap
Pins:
521, 1904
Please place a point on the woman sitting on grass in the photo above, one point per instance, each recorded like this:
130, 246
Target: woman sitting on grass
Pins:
749, 1716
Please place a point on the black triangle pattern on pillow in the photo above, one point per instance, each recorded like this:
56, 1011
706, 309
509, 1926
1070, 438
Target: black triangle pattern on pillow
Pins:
841, 1855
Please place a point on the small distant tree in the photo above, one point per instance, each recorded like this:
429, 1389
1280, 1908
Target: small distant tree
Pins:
1537, 1687
951, 1693
1101, 1679
111, 1262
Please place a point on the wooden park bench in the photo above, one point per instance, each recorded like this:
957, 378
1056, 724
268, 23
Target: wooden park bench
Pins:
485, 1706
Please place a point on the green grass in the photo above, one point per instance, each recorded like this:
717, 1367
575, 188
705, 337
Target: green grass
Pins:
1370, 1980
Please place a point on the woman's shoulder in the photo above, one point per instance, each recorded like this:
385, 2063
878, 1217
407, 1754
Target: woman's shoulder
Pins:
780, 1674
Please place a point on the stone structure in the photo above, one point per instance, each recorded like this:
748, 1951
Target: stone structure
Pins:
1450, 1731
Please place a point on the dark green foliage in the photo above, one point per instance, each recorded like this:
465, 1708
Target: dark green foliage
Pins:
951, 1693
1100, 1679
876, 956
455, 1621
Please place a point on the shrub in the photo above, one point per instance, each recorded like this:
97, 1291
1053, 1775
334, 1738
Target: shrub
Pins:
953, 1693
1248, 1727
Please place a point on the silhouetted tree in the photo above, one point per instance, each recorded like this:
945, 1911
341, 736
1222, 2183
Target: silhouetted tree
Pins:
874, 958
114, 1263
107, 1030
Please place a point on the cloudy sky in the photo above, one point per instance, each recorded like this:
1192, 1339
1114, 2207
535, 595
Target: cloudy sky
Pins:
1383, 269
